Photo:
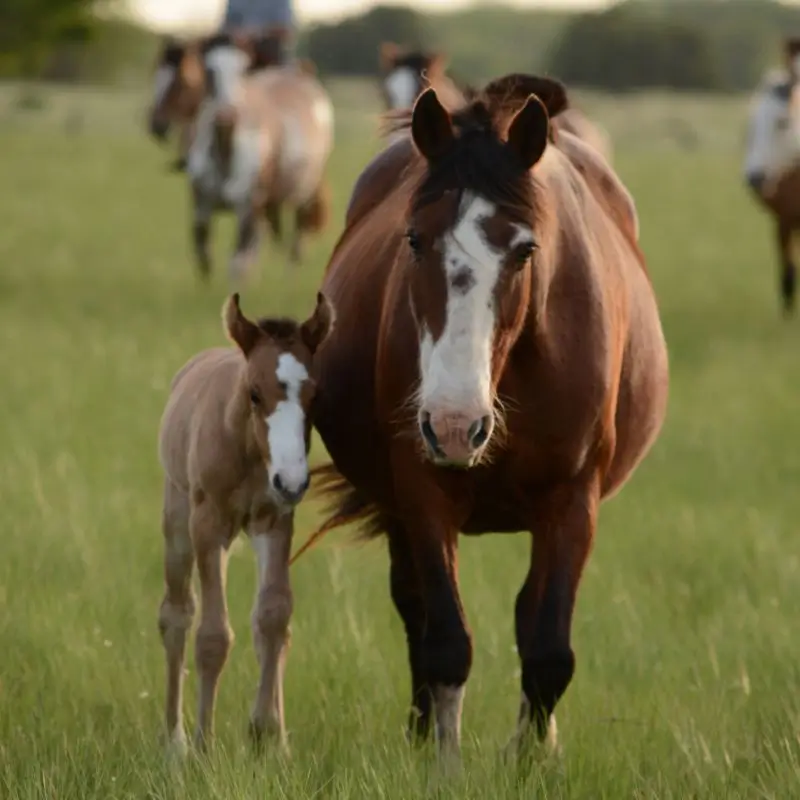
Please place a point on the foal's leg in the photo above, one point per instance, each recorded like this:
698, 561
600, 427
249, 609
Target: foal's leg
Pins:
203, 209
211, 534
788, 272
444, 656
296, 246
272, 611
246, 241
177, 608
563, 532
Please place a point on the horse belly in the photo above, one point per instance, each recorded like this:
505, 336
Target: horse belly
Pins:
643, 392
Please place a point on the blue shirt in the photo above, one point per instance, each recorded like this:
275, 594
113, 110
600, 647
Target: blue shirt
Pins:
259, 13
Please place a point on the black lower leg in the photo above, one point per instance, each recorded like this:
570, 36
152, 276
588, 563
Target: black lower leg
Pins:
788, 286
201, 232
407, 598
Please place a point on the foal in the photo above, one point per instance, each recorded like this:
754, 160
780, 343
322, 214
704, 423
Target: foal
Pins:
233, 444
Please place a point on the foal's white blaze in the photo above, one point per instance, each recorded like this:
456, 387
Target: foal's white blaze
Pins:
401, 86
162, 81
286, 428
773, 140
456, 370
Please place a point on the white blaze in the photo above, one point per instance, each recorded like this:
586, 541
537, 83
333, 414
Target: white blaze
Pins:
228, 65
456, 370
286, 427
773, 136
401, 86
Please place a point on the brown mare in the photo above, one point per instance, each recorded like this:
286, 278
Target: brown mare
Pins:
262, 142
498, 365
405, 74
233, 444
772, 159
177, 94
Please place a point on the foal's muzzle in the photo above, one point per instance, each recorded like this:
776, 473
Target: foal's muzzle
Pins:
290, 495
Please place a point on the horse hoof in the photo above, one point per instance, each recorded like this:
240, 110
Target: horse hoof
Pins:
261, 738
179, 165
177, 748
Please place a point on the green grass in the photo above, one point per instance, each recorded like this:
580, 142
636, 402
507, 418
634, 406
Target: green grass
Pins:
686, 626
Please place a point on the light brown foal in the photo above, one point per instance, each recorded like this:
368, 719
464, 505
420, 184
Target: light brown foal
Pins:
233, 444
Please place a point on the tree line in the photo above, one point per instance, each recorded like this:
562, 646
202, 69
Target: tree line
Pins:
697, 45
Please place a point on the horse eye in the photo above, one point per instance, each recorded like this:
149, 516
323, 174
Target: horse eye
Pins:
413, 241
255, 397
524, 252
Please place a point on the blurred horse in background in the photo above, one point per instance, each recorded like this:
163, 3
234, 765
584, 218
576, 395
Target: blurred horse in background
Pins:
405, 74
772, 159
177, 94
263, 136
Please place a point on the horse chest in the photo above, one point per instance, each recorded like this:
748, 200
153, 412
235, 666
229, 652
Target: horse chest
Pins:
250, 498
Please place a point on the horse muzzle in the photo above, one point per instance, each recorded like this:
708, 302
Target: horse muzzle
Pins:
455, 439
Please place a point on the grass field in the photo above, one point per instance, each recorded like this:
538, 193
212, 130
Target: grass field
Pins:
687, 630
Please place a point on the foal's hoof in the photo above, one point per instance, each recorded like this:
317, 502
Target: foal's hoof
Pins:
179, 165
177, 748
266, 738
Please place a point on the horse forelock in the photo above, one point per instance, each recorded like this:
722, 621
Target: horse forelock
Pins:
283, 330
481, 163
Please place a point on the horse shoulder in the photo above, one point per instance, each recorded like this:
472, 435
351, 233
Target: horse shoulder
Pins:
603, 181
192, 433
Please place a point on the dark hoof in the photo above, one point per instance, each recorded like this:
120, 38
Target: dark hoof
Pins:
179, 165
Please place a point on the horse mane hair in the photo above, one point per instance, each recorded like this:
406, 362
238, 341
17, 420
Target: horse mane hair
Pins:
479, 161
281, 329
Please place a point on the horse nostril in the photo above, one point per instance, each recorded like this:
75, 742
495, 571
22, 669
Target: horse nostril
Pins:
428, 433
278, 483
479, 431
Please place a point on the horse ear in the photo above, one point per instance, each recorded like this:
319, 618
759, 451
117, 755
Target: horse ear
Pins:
431, 126
316, 328
387, 53
528, 133
240, 330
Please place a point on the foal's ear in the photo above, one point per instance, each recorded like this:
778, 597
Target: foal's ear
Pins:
431, 126
239, 329
317, 327
528, 134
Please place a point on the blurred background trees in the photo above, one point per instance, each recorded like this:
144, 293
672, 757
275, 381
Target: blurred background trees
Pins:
697, 45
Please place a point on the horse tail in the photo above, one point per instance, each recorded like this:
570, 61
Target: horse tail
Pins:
346, 506
314, 215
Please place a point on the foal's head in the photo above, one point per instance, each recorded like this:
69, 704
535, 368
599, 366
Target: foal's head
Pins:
178, 86
471, 245
406, 73
280, 391
773, 138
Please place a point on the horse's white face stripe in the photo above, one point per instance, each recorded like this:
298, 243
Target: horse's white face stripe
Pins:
228, 65
773, 140
164, 77
286, 428
456, 370
402, 85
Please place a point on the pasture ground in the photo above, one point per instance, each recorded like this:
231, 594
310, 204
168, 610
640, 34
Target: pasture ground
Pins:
686, 630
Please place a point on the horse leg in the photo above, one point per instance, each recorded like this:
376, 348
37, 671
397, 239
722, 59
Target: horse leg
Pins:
407, 598
310, 217
444, 656
272, 611
211, 534
246, 241
788, 272
272, 211
202, 224
177, 608
296, 246
184, 143
563, 531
